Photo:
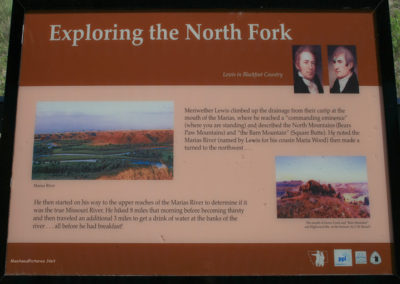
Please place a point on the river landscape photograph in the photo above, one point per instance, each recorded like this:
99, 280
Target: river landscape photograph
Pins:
322, 187
109, 140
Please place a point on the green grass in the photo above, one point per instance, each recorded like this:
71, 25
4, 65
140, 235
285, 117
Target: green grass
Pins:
395, 25
110, 159
68, 171
5, 16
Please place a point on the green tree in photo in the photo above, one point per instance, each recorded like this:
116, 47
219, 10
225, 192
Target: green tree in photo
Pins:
5, 17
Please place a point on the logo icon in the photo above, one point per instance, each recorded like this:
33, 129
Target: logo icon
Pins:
361, 257
318, 257
343, 257
375, 258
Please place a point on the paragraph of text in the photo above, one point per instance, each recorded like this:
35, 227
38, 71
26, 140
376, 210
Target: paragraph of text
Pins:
212, 129
114, 214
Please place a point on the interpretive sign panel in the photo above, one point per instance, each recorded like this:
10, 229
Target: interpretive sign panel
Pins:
199, 143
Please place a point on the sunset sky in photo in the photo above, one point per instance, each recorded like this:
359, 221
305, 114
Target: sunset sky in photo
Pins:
327, 169
65, 116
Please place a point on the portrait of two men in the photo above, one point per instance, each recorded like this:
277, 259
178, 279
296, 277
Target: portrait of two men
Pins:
342, 67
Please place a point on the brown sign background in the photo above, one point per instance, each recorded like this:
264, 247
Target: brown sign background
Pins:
187, 62
189, 259
46, 63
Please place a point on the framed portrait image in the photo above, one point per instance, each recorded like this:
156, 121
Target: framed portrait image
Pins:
251, 139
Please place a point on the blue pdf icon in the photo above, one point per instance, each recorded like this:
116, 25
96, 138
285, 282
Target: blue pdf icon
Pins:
343, 257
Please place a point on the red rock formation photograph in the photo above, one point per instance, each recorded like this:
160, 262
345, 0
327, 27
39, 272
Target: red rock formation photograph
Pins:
322, 187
